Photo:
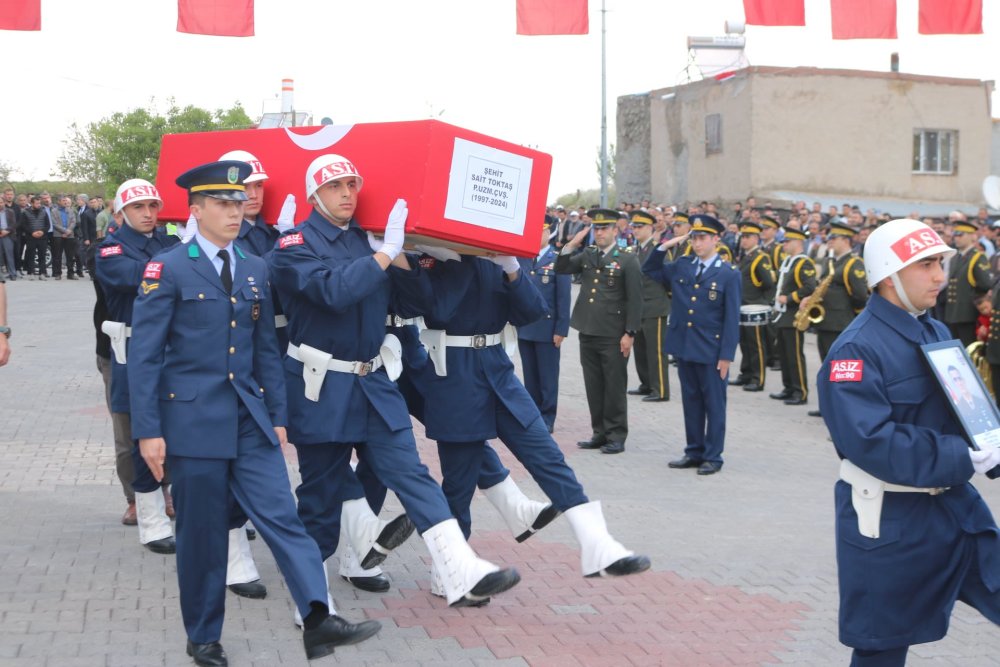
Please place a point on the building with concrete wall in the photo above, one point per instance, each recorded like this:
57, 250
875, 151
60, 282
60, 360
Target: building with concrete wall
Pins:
885, 140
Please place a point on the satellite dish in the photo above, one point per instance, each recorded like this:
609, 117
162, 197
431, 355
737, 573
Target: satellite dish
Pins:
991, 191
326, 121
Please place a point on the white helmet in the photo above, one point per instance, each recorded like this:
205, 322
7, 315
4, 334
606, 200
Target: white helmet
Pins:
133, 190
328, 168
258, 173
899, 243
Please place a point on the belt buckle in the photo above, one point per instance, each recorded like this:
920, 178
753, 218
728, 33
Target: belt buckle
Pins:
479, 341
364, 369
397, 321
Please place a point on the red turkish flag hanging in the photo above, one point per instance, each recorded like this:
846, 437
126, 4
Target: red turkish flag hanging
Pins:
20, 14
863, 19
552, 17
951, 17
775, 12
226, 18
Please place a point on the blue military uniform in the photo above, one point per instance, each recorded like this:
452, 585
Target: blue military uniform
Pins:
480, 397
258, 237
888, 416
206, 376
703, 329
539, 355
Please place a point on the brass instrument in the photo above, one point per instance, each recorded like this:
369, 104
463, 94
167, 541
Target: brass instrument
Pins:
815, 313
977, 352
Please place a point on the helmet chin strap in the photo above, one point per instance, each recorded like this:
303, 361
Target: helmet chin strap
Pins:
901, 293
326, 212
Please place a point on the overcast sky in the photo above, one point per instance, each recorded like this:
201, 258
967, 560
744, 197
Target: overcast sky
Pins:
383, 60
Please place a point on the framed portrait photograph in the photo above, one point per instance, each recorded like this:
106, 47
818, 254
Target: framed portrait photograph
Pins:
966, 392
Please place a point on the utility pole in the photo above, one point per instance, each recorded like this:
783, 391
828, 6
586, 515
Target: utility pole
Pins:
604, 110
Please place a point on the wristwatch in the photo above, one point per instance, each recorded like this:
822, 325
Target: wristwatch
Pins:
5, 331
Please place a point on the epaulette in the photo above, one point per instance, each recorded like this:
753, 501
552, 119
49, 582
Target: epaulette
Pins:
629, 248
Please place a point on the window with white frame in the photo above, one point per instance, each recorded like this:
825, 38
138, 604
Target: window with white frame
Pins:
935, 151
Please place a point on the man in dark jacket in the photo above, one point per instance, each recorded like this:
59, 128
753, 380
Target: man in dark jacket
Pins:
34, 221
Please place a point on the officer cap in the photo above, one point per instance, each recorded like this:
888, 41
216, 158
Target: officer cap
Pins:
705, 224
966, 226
681, 218
642, 218
602, 216
838, 228
750, 227
769, 221
219, 180
792, 234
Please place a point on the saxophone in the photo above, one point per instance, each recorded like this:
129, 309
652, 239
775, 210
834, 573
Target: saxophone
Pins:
815, 313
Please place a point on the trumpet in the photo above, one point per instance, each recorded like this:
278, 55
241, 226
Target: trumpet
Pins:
814, 314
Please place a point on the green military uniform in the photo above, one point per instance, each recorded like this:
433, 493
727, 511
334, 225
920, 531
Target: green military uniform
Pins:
776, 254
650, 359
757, 290
969, 277
993, 345
609, 306
796, 280
845, 297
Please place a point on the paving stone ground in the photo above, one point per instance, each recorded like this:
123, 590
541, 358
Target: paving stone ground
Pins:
743, 562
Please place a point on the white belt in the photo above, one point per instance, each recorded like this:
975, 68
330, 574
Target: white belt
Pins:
317, 363
437, 342
280, 321
119, 333
867, 492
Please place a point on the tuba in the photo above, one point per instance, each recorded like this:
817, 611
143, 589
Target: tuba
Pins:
977, 352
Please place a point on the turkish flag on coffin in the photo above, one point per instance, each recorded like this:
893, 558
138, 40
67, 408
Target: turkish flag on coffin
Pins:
775, 12
863, 19
951, 17
226, 18
552, 17
21, 15
464, 190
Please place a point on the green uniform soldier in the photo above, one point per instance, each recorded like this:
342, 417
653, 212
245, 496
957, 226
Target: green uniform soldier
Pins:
650, 359
993, 346
608, 314
796, 281
758, 295
846, 292
968, 278
680, 227
769, 227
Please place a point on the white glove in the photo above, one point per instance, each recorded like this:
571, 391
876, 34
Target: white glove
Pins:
395, 230
443, 254
985, 460
189, 229
506, 262
374, 243
286, 219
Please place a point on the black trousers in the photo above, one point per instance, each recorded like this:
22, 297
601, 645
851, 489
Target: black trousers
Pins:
605, 376
824, 341
964, 331
793, 361
753, 350
650, 360
62, 245
36, 253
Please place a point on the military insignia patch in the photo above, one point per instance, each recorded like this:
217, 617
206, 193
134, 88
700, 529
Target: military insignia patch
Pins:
290, 240
859, 273
809, 272
148, 287
427, 262
847, 370
233, 175
153, 270
111, 251
545, 280
255, 312
712, 295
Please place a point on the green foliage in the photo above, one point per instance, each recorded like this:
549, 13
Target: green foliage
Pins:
60, 187
611, 167
586, 198
126, 145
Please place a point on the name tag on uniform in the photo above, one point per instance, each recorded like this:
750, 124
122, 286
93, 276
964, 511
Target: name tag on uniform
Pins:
847, 370
290, 240
153, 270
255, 312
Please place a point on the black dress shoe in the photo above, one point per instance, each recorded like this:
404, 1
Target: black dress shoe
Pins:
782, 395
251, 533
593, 443
544, 518
207, 655
613, 448
684, 462
394, 534
738, 382
251, 589
641, 391
795, 400
490, 585
814, 413
377, 584
753, 386
655, 398
709, 468
624, 566
165, 546
334, 632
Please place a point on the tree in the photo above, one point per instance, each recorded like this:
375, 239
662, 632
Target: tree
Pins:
611, 164
126, 145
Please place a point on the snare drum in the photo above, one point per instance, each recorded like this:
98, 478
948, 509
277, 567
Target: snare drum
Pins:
754, 316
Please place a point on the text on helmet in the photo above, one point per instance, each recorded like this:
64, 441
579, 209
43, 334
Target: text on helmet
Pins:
334, 170
916, 242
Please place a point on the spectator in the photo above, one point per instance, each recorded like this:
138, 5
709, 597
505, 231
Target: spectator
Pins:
8, 236
88, 231
104, 219
34, 221
64, 223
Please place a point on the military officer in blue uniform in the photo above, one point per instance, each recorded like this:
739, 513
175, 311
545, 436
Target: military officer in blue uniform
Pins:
120, 262
538, 342
913, 535
471, 394
208, 397
337, 285
702, 336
